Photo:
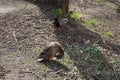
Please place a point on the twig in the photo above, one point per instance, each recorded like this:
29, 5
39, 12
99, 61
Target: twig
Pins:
58, 71
25, 72
38, 76
5, 72
32, 73
14, 36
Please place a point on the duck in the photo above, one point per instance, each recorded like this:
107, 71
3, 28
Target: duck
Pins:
60, 23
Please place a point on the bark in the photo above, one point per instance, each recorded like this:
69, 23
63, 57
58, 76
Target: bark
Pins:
65, 5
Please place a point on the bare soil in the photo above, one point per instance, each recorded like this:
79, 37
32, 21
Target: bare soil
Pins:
26, 27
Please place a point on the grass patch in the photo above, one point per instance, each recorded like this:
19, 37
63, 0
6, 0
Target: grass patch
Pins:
95, 52
76, 16
90, 60
109, 33
58, 12
90, 22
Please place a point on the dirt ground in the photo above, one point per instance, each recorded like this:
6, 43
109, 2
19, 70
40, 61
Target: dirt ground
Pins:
26, 27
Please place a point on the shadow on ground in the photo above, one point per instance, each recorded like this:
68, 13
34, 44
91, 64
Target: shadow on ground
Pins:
54, 65
90, 66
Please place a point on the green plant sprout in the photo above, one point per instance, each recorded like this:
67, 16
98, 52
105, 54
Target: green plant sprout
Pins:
90, 22
76, 15
94, 51
58, 12
109, 33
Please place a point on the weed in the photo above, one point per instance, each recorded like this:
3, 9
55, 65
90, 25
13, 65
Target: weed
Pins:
95, 52
38, 50
109, 33
90, 22
114, 7
58, 12
76, 16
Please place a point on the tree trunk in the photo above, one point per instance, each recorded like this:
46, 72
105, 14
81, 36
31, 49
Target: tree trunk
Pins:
65, 5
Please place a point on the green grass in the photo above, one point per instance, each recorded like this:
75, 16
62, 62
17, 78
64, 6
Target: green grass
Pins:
86, 56
94, 51
58, 12
90, 22
76, 16
109, 33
